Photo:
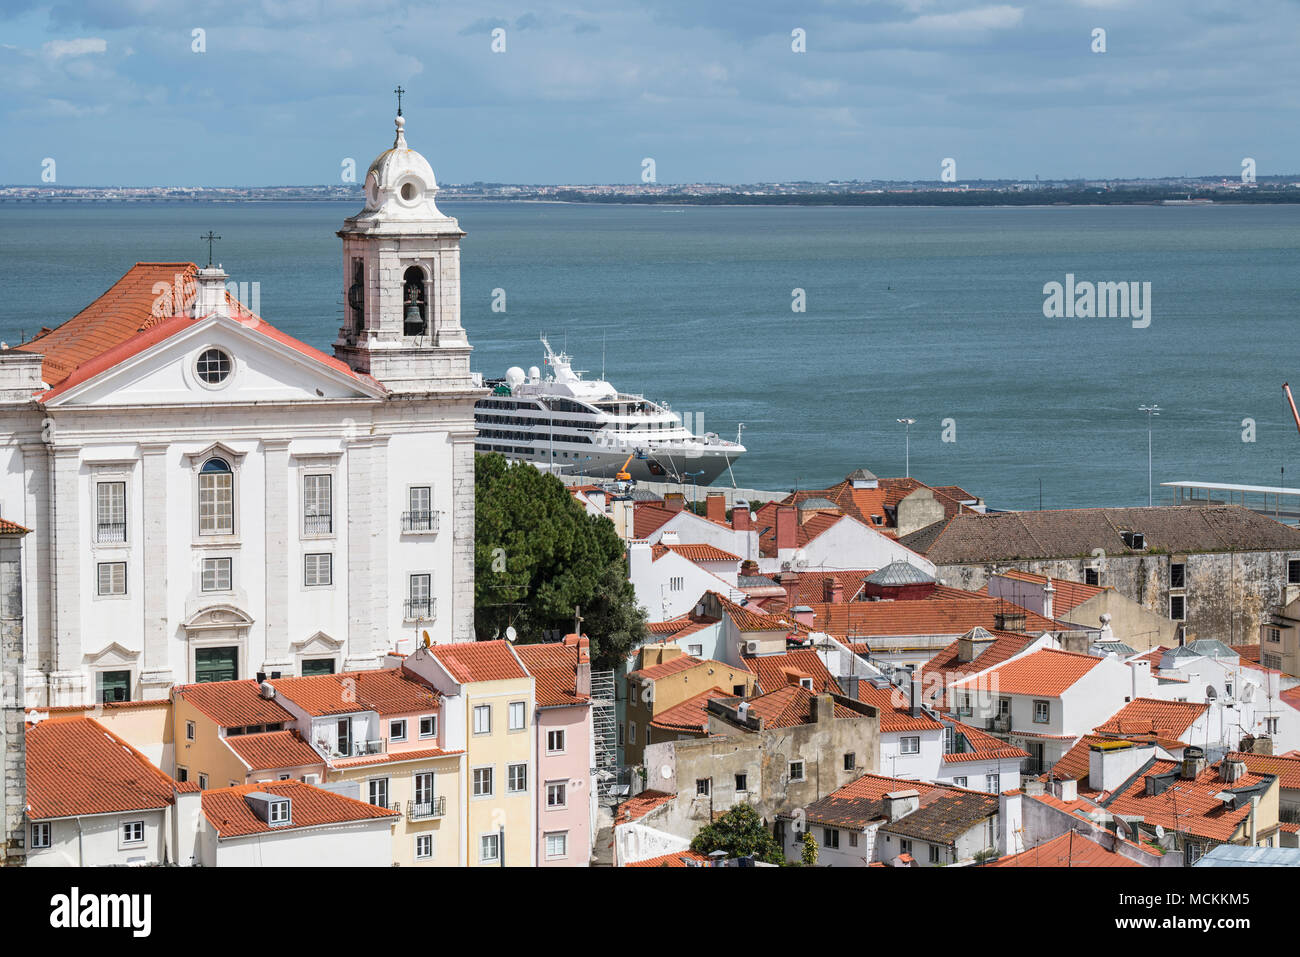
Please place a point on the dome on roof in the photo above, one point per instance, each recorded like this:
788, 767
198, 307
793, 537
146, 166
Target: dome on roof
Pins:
861, 475
400, 185
899, 573
812, 504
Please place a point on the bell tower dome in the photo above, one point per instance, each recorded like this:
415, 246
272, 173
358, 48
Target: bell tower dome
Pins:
401, 279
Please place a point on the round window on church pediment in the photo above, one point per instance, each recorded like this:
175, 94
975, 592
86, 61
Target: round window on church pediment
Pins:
214, 366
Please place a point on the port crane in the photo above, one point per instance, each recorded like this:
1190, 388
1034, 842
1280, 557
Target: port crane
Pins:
1286, 387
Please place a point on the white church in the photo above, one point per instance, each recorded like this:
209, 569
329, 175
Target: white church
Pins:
209, 498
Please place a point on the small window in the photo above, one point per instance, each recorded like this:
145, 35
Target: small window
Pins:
631, 732
429, 726
482, 719
1091, 576
557, 844
1275, 635
214, 366
934, 854
853, 838
424, 847
1042, 712
1270, 725
556, 794
112, 686
702, 786
489, 848
216, 574
1271, 661
910, 744
742, 782
738, 690
904, 846
112, 578
695, 651
41, 834
830, 837
516, 716
110, 512
796, 770
806, 683
189, 730
993, 783
959, 782
420, 603
1177, 574
317, 666
420, 516
379, 792
318, 569
279, 812
182, 774
397, 729
482, 782
850, 761
554, 742
1293, 572
1177, 608
517, 778
203, 781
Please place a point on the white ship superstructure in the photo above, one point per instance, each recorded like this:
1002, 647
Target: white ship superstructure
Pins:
587, 427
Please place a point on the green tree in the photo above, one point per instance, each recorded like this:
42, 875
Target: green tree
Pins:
537, 554
741, 833
808, 854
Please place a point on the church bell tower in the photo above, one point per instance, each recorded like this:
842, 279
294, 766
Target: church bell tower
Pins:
401, 280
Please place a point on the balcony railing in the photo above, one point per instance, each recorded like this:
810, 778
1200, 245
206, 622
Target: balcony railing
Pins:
1001, 722
421, 608
424, 810
362, 748
318, 524
110, 532
420, 521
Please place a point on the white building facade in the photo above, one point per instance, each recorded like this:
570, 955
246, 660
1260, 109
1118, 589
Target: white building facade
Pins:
212, 499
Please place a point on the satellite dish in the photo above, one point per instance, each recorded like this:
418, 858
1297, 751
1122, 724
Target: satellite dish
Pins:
1210, 693
1247, 693
511, 634
1160, 832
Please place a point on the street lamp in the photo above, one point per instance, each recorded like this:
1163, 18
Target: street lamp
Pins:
1150, 410
907, 445
695, 484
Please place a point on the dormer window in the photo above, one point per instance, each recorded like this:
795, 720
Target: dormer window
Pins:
279, 812
414, 307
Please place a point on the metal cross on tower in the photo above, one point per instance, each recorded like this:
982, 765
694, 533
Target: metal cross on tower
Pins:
210, 237
399, 91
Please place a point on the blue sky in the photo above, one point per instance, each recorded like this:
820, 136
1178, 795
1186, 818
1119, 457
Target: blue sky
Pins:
287, 89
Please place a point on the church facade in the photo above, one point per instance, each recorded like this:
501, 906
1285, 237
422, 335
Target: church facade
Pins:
210, 498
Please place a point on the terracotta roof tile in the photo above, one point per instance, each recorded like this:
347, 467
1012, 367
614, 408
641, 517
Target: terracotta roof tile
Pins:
671, 667
554, 667
269, 750
310, 806
694, 553
1069, 595
392, 757
790, 707
385, 691
676, 859
233, 704
470, 661
1067, 850
1169, 719
635, 808
982, 746
1187, 806
77, 766
895, 714
861, 801
1046, 672
691, 715
1287, 768
777, 671
940, 615
12, 528
948, 669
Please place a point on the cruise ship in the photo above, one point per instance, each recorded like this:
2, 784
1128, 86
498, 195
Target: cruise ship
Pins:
588, 428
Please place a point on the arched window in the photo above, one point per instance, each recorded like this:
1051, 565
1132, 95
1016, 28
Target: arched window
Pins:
216, 498
414, 312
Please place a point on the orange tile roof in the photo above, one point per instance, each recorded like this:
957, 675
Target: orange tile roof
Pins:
858, 803
1169, 719
391, 757
648, 516
694, 553
1249, 652
1079, 807
777, 671
554, 667
77, 766
269, 750
1287, 768
1187, 806
676, 859
230, 814
1069, 595
1068, 850
386, 691
921, 616
862, 503
691, 715
12, 528
790, 707
123, 322
812, 584
895, 715
671, 667
677, 630
635, 808
1291, 696
948, 669
1046, 672
745, 619
982, 746
470, 661
233, 704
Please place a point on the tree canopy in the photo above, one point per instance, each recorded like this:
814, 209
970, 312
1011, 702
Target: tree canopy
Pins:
538, 553
741, 833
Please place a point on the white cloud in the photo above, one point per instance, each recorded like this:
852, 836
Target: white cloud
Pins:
980, 18
57, 49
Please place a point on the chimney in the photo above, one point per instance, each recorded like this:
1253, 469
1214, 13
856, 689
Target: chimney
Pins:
582, 680
1111, 763
669, 537
1193, 763
1231, 770
674, 501
790, 582
740, 518
832, 590
1011, 823
1049, 595
715, 507
211, 293
748, 567
804, 615
786, 524
914, 697
822, 708
1069, 790
901, 803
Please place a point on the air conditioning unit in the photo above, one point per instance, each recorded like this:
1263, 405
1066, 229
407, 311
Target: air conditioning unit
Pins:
751, 647
785, 566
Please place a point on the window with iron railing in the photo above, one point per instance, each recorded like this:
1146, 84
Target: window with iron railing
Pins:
110, 512
420, 521
318, 512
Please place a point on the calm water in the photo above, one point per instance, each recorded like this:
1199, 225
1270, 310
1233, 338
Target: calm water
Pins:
931, 314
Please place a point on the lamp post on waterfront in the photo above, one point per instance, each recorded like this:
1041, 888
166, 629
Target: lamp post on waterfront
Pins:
695, 485
907, 445
1150, 410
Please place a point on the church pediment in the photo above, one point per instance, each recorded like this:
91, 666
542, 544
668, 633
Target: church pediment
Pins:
218, 616
318, 644
112, 654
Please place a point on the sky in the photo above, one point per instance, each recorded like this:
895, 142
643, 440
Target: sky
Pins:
284, 92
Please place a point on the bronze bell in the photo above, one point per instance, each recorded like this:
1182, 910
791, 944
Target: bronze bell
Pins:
412, 320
